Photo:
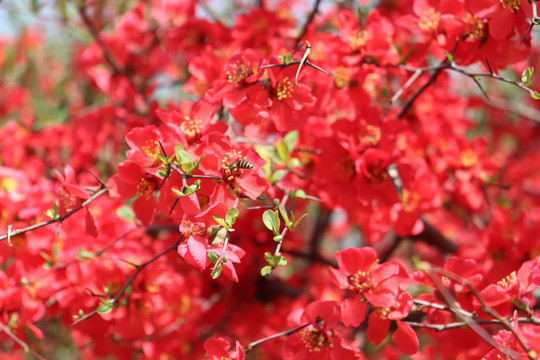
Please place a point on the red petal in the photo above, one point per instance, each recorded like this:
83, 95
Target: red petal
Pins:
91, 224
377, 328
353, 311
405, 338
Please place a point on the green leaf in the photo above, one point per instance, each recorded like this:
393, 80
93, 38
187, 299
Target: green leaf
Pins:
84, 254
283, 151
220, 221
268, 258
184, 157
294, 162
299, 194
212, 256
297, 222
216, 272
450, 57
384, 93
193, 188
290, 140
105, 308
126, 213
271, 221
189, 167
177, 192
278, 238
282, 261
51, 214
177, 149
535, 95
231, 216
278, 175
526, 76
266, 270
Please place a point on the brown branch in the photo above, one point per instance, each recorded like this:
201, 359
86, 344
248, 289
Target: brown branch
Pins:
454, 325
138, 269
19, 341
107, 54
251, 345
485, 307
309, 20
52, 221
458, 311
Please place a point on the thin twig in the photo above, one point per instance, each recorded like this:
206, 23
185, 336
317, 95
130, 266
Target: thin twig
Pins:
138, 268
309, 20
251, 345
24, 345
60, 219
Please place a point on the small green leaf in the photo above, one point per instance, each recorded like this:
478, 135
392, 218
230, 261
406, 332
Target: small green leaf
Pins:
189, 167
212, 256
294, 162
177, 192
104, 309
283, 151
535, 95
282, 261
177, 149
193, 188
266, 270
231, 216
162, 157
184, 157
278, 238
450, 57
277, 175
84, 254
271, 221
220, 221
299, 194
297, 222
268, 258
216, 272
126, 213
526, 76
384, 93
290, 139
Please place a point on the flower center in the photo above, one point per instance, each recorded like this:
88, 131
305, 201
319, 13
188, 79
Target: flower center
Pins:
151, 150
361, 281
341, 78
512, 5
430, 20
146, 186
315, 339
238, 72
468, 158
233, 165
358, 39
475, 27
284, 89
191, 127
410, 200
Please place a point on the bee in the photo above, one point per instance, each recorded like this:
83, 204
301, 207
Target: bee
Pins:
242, 164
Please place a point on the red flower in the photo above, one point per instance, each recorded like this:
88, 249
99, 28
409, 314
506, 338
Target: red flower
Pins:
221, 159
360, 272
217, 348
288, 100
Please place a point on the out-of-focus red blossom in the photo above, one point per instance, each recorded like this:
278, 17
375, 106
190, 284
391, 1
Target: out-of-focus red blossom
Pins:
218, 348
